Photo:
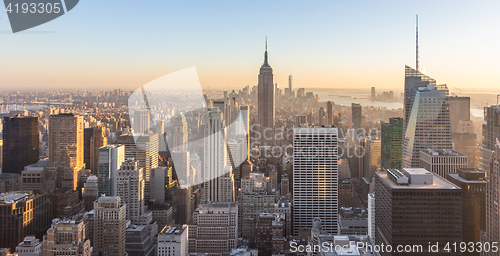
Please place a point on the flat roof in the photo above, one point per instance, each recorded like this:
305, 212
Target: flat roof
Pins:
173, 230
438, 182
441, 152
12, 196
461, 179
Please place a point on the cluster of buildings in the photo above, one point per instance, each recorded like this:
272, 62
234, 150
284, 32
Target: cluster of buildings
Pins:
77, 184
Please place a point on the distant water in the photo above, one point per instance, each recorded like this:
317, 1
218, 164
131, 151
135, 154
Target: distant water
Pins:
477, 112
26, 107
364, 99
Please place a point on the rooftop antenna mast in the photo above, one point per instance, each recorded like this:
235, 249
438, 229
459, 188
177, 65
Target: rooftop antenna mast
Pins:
417, 44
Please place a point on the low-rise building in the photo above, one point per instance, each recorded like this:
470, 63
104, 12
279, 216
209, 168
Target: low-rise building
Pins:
173, 241
66, 237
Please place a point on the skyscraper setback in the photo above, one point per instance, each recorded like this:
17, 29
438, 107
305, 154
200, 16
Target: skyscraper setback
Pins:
413, 80
130, 188
20, 143
266, 102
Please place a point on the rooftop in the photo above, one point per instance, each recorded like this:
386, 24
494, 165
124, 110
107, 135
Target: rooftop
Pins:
12, 197
442, 152
437, 181
173, 230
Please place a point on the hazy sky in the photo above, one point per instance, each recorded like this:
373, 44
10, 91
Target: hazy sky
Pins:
335, 44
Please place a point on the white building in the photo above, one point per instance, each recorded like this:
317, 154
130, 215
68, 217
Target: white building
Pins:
214, 229
371, 217
130, 188
218, 175
173, 241
442, 161
29, 247
315, 177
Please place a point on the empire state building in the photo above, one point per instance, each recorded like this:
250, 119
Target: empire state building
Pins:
266, 103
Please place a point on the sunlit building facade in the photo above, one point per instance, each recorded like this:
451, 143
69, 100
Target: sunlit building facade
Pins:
429, 124
315, 177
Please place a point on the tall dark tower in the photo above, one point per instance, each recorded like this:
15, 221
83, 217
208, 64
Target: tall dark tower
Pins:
329, 112
20, 143
266, 103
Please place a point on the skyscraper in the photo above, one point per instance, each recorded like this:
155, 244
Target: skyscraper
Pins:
315, 176
266, 103
23, 214
372, 157
321, 116
356, 115
459, 111
270, 233
413, 80
141, 121
109, 226
179, 151
245, 114
464, 138
492, 232
219, 185
143, 148
111, 158
392, 141
491, 131
428, 125
290, 83
66, 148
473, 183
90, 192
373, 95
329, 113
94, 138
130, 188
20, 143
416, 207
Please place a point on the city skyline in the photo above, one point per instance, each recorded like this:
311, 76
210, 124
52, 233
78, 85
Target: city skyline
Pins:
168, 141
340, 42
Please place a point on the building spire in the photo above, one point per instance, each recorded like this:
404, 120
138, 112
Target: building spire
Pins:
266, 64
417, 44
